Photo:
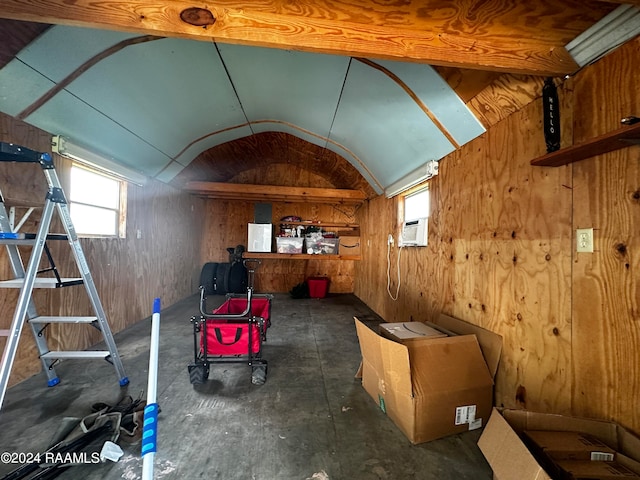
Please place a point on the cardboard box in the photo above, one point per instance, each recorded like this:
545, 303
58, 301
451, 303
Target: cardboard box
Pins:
509, 457
407, 331
568, 446
585, 469
431, 387
350, 246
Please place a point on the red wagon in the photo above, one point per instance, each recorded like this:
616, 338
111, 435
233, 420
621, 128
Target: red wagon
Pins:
232, 333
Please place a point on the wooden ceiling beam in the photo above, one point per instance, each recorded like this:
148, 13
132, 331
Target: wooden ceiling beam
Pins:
274, 193
344, 27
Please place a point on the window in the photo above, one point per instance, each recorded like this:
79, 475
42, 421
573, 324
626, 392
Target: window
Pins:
416, 205
96, 203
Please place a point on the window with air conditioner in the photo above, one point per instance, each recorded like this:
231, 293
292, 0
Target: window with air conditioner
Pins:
415, 225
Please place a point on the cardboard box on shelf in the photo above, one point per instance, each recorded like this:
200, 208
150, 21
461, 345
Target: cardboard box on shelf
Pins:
431, 387
350, 245
509, 457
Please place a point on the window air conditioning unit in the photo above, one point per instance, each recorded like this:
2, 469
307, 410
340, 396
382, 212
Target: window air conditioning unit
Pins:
414, 233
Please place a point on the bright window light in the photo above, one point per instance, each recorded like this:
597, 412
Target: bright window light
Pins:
416, 205
95, 202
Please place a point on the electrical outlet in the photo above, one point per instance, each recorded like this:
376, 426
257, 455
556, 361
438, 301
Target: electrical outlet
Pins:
390, 239
584, 240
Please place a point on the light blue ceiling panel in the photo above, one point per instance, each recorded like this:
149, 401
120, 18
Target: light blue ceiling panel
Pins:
60, 50
168, 92
296, 87
169, 172
384, 126
20, 86
439, 98
189, 154
65, 115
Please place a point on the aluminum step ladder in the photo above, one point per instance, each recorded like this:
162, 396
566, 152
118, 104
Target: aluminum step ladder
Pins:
27, 280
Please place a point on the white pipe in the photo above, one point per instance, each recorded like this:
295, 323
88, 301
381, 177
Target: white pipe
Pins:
150, 425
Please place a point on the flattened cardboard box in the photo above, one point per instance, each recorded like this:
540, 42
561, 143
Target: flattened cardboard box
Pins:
431, 387
509, 457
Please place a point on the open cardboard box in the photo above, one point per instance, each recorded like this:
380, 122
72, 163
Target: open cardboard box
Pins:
432, 387
509, 457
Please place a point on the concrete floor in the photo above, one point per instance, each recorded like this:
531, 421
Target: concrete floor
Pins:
311, 419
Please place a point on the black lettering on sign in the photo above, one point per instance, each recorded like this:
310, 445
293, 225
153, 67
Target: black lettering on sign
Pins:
551, 112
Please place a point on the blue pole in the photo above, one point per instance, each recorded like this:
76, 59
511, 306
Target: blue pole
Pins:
150, 424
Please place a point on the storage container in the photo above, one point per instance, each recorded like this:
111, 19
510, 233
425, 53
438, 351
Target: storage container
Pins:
319, 245
318, 286
289, 244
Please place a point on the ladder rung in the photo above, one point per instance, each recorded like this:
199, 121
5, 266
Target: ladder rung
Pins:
78, 354
40, 282
43, 319
5, 333
16, 241
7, 237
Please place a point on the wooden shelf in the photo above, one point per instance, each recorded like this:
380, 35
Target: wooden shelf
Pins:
298, 256
621, 138
275, 193
321, 224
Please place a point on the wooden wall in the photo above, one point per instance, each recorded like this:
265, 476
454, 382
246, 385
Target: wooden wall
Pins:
502, 253
225, 225
129, 272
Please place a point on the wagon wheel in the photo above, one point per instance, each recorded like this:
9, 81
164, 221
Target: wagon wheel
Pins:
198, 373
258, 374
208, 278
222, 278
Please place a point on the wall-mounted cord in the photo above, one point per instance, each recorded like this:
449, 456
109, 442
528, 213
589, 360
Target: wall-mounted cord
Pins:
389, 243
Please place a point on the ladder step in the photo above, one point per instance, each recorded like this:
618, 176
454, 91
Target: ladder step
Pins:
16, 241
11, 238
5, 333
42, 282
43, 319
79, 354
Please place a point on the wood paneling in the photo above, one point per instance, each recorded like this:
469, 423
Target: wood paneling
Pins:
246, 160
501, 252
606, 283
129, 272
272, 193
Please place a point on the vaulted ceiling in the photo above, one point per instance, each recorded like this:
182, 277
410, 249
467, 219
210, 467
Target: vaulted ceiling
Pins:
385, 85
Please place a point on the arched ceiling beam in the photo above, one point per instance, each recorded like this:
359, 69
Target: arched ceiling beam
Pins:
496, 35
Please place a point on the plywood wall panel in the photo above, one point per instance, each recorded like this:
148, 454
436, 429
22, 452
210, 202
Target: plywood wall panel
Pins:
606, 308
606, 288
